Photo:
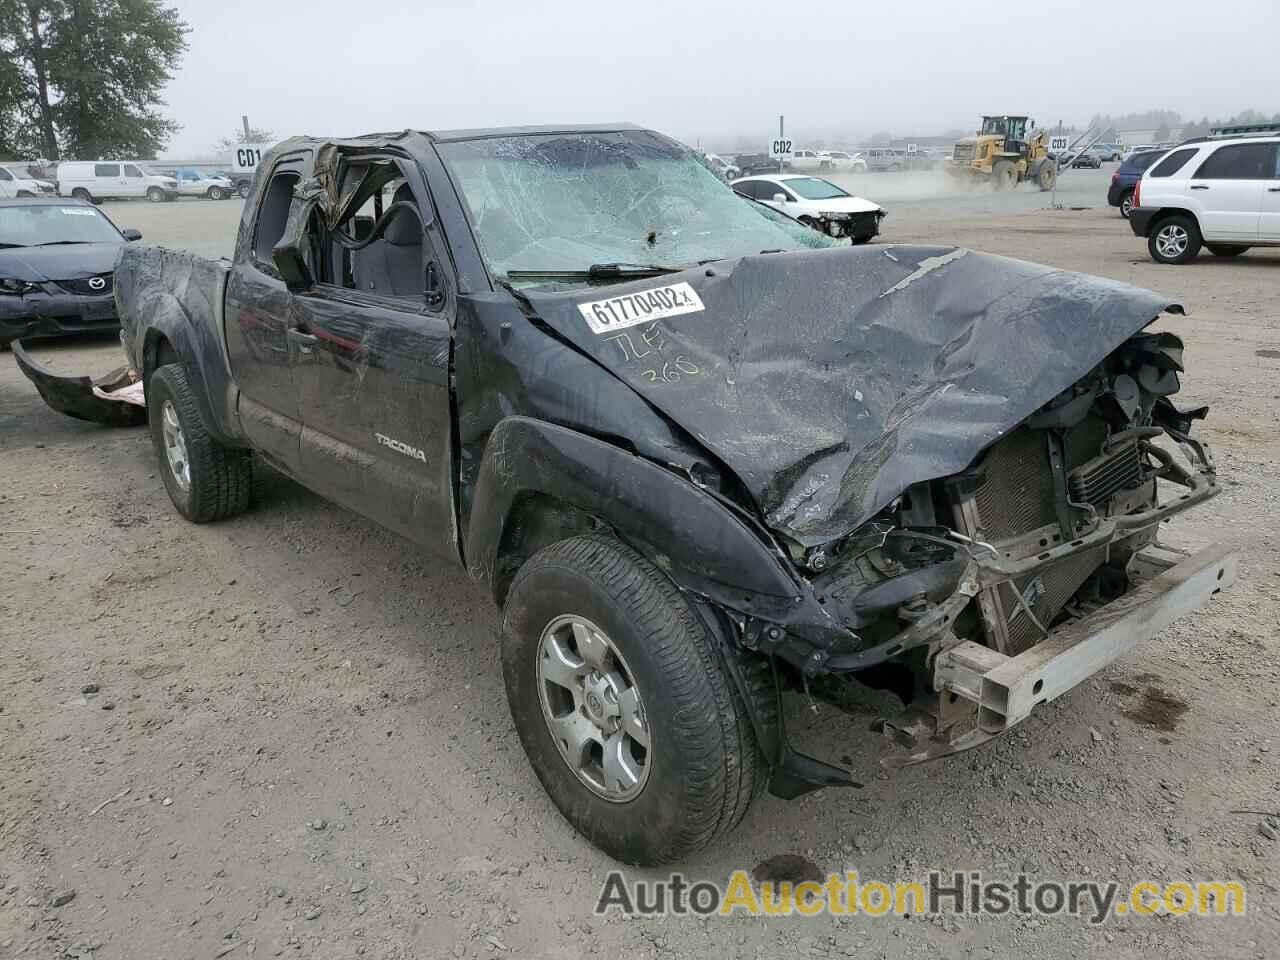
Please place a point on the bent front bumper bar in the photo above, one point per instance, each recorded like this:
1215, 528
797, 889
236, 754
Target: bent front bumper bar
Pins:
1007, 689
983, 693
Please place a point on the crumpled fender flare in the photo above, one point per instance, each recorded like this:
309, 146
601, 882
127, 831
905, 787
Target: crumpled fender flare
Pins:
682, 528
161, 314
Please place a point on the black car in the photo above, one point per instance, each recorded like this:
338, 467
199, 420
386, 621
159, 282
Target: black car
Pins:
57, 259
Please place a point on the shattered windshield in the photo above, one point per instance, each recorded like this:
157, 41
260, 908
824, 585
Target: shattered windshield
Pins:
563, 202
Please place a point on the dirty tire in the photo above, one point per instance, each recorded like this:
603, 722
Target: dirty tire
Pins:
221, 478
1226, 249
1174, 240
1047, 176
1004, 175
704, 767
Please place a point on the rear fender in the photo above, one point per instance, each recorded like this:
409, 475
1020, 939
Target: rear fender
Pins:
171, 309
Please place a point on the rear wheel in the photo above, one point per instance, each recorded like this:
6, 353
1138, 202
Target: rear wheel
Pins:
1126, 205
624, 704
1226, 249
1174, 240
155, 195
205, 479
1004, 175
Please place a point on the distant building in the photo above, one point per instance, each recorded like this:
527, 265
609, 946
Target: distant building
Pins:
1131, 137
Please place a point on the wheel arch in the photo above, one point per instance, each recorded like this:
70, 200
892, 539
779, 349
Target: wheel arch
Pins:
1164, 213
538, 483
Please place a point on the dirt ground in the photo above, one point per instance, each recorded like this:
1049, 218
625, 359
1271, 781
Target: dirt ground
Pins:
286, 735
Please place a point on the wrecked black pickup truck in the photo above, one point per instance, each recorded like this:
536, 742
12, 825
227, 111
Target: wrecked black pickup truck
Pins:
700, 455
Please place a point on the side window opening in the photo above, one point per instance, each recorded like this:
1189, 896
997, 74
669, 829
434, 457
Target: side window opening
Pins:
379, 246
1239, 161
131, 171
1172, 163
273, 215
106, 170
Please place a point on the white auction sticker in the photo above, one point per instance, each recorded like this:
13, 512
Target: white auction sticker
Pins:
617, 313
77, 212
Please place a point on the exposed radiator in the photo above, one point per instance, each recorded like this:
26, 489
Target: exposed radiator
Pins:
1016, 496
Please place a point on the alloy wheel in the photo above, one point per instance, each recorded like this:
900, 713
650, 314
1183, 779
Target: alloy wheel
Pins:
175, 445
592, 707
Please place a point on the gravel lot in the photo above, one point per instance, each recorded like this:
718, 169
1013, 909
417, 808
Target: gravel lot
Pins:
298, 728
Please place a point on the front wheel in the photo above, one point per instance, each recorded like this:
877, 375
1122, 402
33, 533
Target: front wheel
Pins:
624, 704
80, 193
205, 479
155, 195
1004, 175
215, 193
1047, 176
1174, 240
1226, 249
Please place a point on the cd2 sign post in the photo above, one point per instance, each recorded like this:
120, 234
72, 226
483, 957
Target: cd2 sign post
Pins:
780, 149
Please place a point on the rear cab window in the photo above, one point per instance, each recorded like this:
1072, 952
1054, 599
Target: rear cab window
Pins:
1172, 163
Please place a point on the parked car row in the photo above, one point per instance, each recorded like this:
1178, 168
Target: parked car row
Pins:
95, 180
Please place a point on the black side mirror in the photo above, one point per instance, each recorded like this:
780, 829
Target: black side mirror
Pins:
130, 234
292, 266
287, 254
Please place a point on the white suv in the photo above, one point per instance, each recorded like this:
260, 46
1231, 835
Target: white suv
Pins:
1223, 194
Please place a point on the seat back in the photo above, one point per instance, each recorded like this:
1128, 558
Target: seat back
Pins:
392, 265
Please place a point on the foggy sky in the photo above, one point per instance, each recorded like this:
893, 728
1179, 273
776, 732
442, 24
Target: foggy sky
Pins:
711, 70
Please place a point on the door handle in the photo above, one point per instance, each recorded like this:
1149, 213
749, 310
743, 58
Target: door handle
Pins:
1198, 186
304, 342
1273, 189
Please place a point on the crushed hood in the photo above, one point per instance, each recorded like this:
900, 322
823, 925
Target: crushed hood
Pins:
831, 380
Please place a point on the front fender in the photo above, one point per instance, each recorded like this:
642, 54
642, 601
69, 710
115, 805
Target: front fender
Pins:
684, 529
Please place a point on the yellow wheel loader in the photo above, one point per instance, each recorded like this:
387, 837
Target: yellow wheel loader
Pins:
1006, 151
